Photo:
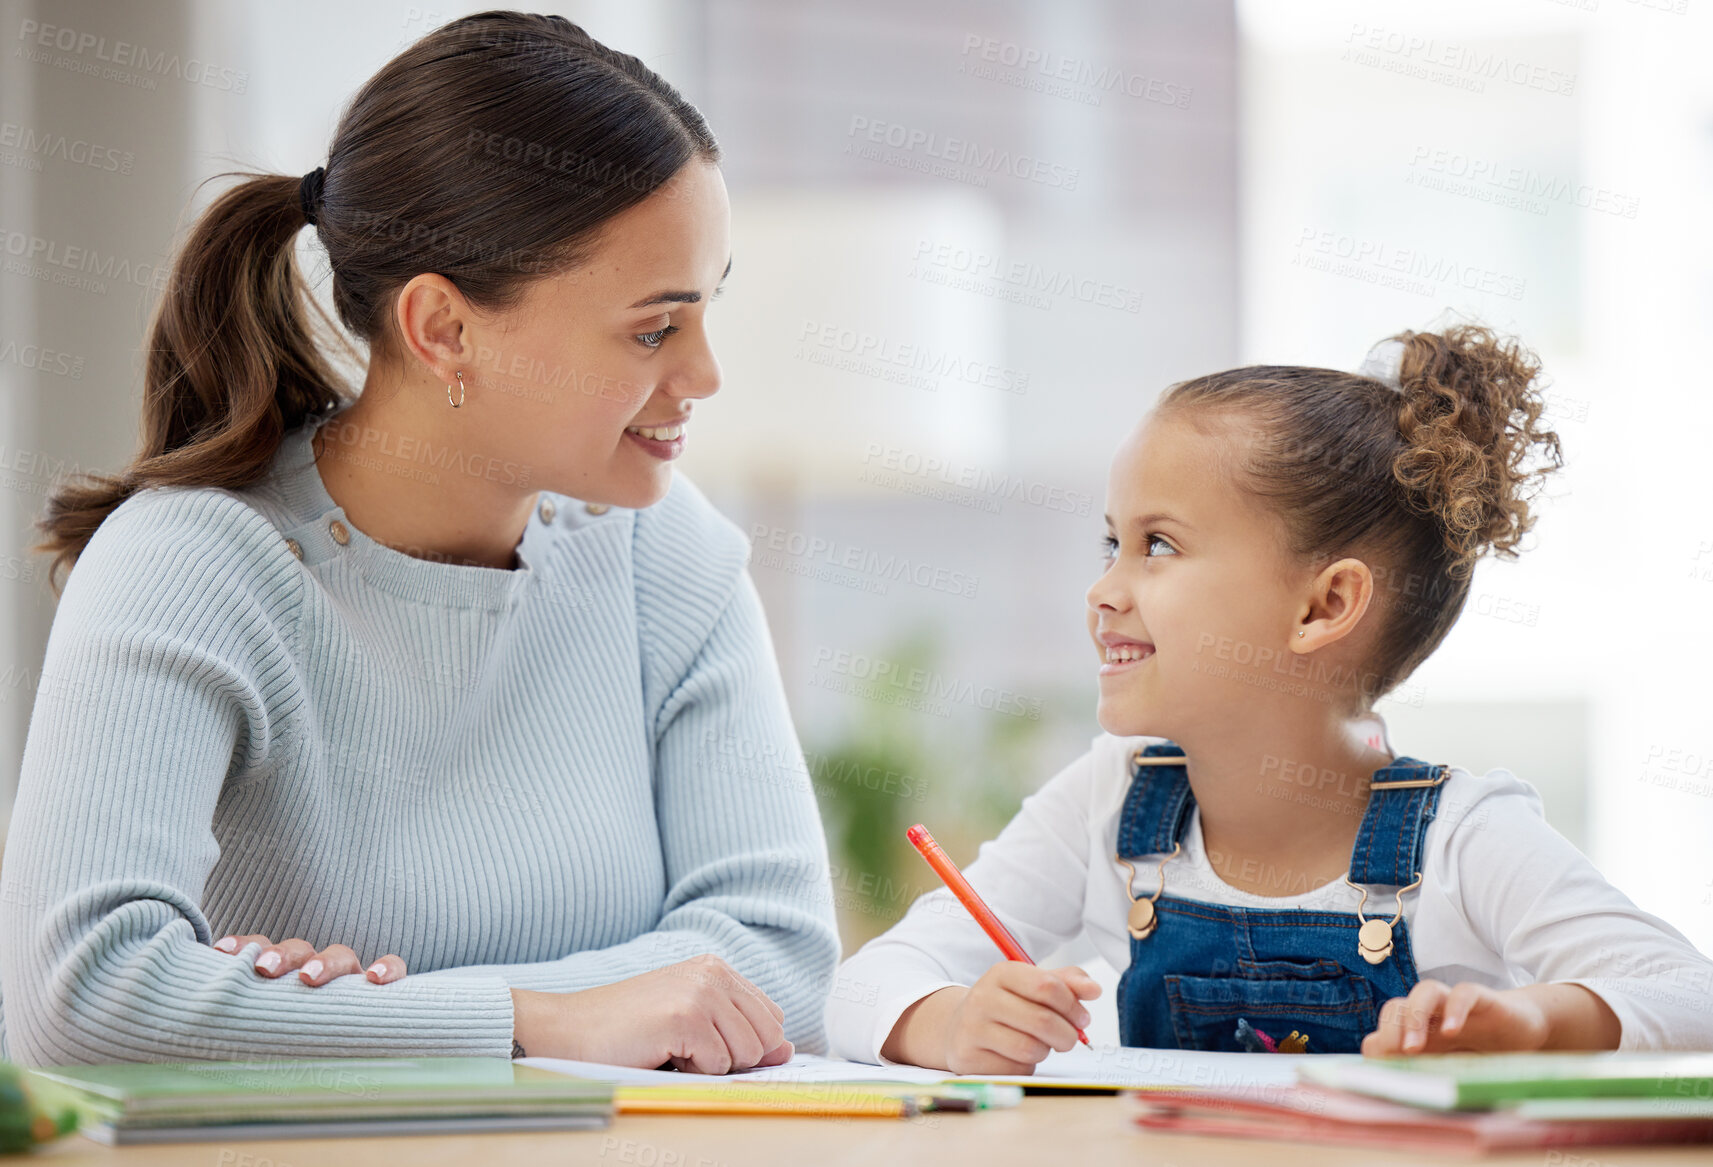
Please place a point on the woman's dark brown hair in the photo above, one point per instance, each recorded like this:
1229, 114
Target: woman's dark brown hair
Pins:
1418, 482
490, 151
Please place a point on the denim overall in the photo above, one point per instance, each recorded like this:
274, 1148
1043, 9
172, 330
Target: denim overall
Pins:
1208, 965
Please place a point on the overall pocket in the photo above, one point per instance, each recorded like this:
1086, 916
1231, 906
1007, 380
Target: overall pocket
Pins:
1334, 1007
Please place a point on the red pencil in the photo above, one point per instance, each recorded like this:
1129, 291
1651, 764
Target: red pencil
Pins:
948, 871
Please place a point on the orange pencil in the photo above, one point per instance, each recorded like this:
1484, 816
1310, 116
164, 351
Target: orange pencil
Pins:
948, 871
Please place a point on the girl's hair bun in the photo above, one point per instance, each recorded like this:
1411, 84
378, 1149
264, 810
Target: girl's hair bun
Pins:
1474, 450
1420, 463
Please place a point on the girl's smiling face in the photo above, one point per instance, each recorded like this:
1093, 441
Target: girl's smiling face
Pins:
1200, 598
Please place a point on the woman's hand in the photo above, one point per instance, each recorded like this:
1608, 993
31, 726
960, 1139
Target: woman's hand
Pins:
699, 1014
1436, 1018
1003, 1024
314, 967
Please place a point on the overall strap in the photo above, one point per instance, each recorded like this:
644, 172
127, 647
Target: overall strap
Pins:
1403, 797
1157, 806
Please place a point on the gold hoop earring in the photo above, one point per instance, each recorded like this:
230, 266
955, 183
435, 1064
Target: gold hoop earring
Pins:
460, 401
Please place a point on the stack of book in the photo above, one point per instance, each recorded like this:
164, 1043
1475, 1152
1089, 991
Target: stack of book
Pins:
317, 1098
1459, 1102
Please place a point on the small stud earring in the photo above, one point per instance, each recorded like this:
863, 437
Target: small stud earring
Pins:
1299, 633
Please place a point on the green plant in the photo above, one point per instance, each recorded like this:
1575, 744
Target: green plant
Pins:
896, 765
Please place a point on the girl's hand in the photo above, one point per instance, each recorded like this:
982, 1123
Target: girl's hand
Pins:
1014, 1015
1435, 1018
1003, 1024
699, 1014
314, 967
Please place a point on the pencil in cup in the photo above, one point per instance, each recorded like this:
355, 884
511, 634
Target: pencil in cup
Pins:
954, 879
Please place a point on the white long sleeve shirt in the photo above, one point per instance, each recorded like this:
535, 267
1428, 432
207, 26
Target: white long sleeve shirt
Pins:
1505, 900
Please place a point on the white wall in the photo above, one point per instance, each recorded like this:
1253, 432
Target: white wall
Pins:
1376, 125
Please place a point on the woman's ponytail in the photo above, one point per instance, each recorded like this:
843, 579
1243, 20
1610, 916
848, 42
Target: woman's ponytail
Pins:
492, 150
233, 363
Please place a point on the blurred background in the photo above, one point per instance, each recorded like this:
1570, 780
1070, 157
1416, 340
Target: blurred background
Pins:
973, 242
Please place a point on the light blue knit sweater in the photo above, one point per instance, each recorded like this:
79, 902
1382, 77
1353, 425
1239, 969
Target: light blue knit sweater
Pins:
548, 778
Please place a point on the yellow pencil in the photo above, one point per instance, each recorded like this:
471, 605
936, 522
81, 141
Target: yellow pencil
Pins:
815, 1100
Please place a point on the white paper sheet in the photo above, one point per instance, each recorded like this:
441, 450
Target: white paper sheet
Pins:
1108, 1065
1132, 1067
802, 1068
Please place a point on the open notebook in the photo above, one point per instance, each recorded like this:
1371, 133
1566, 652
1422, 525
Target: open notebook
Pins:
1103, 1067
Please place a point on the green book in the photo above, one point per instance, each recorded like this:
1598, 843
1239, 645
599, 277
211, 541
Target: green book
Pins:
1486, 1081
319, 1097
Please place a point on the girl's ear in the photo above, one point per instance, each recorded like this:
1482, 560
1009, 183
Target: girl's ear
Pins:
1337, 598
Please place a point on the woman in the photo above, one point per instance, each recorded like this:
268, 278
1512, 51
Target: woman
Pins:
448, 675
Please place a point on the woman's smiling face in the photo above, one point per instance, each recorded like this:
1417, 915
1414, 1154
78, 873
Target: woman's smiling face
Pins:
564, 382
1197, 603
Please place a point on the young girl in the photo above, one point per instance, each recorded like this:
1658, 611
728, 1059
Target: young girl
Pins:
1286, 545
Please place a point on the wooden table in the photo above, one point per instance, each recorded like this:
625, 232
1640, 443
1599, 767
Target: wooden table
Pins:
1044, 1132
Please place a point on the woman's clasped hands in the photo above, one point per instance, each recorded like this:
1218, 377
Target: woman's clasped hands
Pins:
315, 966
699, 1015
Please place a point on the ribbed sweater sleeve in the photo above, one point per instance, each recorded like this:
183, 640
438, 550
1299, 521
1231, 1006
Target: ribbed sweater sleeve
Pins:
167, 671
745, 855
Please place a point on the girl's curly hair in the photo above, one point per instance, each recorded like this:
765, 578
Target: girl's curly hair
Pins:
1419, 481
